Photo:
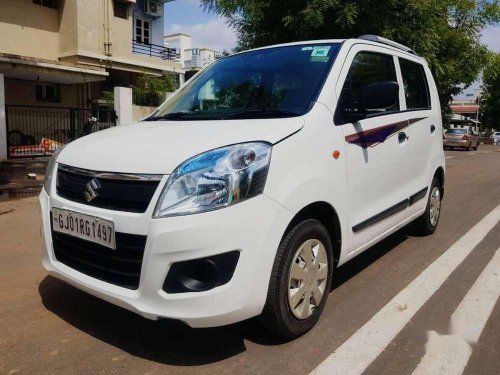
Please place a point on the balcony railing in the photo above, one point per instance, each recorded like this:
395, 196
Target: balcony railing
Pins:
154, 50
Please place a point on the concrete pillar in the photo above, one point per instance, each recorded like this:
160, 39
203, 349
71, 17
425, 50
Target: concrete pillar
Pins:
123, 105
182, 79
3, 121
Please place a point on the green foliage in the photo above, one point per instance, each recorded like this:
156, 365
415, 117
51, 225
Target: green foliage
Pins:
154, 85
109, 97
490, 100
445, 32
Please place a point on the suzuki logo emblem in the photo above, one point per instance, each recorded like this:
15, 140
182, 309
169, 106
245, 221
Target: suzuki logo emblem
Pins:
91, 188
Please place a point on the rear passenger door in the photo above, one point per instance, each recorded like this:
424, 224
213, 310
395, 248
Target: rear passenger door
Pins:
422, 131
377, 158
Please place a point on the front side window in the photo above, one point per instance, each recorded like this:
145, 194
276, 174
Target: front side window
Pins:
415, 85
367, 68
268, 83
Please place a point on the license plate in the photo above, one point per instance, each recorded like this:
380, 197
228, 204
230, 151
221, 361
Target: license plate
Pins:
86, 227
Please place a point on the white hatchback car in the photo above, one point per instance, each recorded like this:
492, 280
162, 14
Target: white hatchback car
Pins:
242, 193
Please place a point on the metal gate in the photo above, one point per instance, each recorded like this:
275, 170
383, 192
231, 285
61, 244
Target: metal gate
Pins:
38, 131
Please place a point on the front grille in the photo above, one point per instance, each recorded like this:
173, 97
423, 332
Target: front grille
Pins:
120, 267
113, 191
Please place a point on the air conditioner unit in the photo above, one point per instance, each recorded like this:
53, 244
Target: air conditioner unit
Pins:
153, 8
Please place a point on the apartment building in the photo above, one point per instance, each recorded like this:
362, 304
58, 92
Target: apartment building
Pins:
66, 53
191, 58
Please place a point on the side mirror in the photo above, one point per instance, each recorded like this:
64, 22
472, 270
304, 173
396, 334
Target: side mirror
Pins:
378, 96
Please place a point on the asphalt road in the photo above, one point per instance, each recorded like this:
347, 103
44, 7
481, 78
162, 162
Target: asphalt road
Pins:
47, 326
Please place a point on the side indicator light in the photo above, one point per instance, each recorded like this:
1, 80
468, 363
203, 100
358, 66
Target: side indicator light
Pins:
336, 154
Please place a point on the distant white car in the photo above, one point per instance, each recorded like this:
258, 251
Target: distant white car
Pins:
496, 138
240, 195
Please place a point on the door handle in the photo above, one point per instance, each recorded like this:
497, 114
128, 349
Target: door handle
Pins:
402, 137
433, 129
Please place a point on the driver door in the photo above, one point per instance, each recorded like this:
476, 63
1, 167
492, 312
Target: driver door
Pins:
376, 148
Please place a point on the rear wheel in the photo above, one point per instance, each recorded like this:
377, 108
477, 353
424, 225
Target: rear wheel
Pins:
469, 147
477, 146
300, 280
427, 223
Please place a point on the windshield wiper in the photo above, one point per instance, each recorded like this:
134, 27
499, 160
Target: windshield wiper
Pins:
168, 116
245, 114
197, 116
258, 113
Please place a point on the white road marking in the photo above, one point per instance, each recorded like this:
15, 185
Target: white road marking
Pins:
450, 354
364, 346
471, 153
449, 157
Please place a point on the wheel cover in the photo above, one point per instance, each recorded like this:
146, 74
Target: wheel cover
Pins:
307, 278
435, 206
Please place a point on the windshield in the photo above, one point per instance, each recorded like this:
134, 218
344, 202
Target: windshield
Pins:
268, 83
456, 131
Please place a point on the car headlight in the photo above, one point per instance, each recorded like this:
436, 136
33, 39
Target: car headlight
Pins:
215, 179
50, 170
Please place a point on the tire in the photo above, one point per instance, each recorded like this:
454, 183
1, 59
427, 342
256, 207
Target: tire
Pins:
469, 147
427, 223
477, 146
278, 315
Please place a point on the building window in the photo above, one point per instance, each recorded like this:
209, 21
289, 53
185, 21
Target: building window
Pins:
120, 9
142, 31
46, 3
48, 93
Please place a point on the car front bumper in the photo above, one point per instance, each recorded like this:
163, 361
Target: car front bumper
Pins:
253, 227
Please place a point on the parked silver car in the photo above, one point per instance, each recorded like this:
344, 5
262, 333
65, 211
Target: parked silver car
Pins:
496, 138
460, 138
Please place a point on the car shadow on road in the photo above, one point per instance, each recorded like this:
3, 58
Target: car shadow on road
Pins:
363, 260
172, 342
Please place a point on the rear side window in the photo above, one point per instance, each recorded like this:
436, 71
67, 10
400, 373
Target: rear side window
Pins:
415, 85
367, 68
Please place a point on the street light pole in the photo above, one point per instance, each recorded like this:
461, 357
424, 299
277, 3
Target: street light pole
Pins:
477, 111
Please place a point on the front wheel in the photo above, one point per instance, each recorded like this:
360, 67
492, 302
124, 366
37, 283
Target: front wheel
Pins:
300, 280
427, 223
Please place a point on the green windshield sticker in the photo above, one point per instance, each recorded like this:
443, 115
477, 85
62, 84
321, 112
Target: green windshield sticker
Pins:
320, 51
307, 48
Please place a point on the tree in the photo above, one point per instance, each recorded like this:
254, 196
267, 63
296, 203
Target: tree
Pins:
150, 90
445, 32
490, 99
155, 85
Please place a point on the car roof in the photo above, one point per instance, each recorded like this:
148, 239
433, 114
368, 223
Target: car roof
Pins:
350, 41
